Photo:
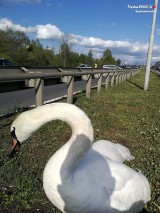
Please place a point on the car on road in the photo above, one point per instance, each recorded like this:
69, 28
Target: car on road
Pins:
111, 67
84, 66
5, 62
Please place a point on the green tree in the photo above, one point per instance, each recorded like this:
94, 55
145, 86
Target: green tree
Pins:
107, 57
18, 48
83, 59
38, 56
65, 54
118, 62
75, 59
13, 45
90, 60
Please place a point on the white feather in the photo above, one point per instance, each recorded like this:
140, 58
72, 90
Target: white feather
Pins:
116, 152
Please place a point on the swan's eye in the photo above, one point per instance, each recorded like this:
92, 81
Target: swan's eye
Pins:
13, 134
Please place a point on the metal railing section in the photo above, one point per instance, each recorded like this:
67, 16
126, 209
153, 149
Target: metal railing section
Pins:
35, 78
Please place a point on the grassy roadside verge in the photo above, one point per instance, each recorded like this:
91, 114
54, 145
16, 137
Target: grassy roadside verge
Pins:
124, 114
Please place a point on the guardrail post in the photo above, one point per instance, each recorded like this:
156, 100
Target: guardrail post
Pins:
128, 75
70, 86
99, 83
117, 77
107, 81
39, 92
88, 86
120, 78
112, 80
125, 75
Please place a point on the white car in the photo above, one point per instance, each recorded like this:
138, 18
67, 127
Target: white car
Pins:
111, 67
84, 66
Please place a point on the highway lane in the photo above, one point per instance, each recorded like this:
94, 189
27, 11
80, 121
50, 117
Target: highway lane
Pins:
26, 97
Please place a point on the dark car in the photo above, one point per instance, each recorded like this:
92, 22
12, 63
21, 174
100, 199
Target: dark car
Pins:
5, 62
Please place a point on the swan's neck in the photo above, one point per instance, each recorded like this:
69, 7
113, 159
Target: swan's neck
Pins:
82, 131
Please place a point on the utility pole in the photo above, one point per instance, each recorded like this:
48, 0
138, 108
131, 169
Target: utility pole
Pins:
149, 56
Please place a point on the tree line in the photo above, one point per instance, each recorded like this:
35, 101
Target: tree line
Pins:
19, 49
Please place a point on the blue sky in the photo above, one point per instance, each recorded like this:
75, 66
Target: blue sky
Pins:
121, 25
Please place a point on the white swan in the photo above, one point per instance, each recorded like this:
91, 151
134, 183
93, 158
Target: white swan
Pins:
78, 178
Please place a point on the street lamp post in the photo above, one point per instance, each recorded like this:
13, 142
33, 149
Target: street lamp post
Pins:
149, 56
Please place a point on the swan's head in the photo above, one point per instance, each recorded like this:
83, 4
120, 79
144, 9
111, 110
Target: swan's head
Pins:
21, 129
15, 143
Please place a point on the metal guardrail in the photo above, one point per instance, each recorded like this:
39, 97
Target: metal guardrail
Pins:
34, 77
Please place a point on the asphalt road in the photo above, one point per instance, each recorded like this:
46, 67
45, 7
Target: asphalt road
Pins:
26, 98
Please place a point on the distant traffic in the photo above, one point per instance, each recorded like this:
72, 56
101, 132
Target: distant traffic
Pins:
156, 66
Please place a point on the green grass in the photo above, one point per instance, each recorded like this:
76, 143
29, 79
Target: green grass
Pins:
125, 114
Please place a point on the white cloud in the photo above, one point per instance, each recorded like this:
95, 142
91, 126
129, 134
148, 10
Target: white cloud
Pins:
125, 50
49, 31
6, 23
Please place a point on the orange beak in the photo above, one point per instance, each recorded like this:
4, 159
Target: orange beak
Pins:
15, 147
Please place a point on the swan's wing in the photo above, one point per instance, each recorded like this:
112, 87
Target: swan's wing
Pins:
108, 173
131, 187
116, 152
110, 183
